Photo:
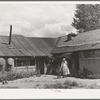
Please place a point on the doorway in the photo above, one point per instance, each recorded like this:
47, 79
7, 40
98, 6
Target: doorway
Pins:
40, 64
76, 60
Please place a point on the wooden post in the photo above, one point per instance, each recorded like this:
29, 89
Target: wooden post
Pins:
16, 64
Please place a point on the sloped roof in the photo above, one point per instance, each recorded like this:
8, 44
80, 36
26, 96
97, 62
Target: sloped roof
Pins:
44, 44
61, 41
25, 46
83, 41
84, 38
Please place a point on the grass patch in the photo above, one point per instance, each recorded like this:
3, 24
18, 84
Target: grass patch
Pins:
37, 85
93, 86
66, 85
53, 86
8, 87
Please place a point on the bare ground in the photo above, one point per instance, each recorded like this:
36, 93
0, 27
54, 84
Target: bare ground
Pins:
47, 80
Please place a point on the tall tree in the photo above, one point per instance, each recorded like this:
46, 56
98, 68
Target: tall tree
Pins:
87, 17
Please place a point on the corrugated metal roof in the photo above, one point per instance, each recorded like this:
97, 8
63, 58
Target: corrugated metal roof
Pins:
44, 44
25, 46
83, 41
19, 47
35, 48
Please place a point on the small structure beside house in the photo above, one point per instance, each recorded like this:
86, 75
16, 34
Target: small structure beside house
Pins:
85, 49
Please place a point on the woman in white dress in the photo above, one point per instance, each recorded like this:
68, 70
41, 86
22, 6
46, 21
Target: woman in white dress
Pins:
64, 68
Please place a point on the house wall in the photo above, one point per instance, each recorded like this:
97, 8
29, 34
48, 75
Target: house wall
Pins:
14, 63
91, 62
75, 63
26, 63
73, 69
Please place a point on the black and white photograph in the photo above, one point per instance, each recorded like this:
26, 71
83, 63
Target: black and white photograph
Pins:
49, 45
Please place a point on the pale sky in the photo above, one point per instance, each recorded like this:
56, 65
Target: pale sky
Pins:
37, 20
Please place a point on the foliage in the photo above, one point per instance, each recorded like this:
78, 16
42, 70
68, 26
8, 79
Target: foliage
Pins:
86, 74
13, 75
67, 85
87, 17
55, 65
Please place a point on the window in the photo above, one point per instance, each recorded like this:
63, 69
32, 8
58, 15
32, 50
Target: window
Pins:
24, 62
92, 53
32, 62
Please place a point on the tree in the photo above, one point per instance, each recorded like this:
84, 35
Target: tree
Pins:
87, 17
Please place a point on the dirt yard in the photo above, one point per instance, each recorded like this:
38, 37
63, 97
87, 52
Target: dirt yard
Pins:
50, 81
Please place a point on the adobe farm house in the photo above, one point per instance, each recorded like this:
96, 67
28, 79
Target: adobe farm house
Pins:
85, 49
25, 51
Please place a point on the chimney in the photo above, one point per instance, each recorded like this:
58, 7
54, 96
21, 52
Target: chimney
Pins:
10, 34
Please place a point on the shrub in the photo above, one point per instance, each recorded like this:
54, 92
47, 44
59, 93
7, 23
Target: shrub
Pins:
70, 84
12, 75
79, 74
53, 86
86, 74
66, 85
74, 83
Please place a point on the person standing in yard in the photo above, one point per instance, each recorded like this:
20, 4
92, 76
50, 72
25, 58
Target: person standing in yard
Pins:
64, 68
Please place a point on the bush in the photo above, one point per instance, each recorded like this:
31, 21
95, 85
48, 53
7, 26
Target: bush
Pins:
13, 75
74, 83
53, 86
67, 85
86, 74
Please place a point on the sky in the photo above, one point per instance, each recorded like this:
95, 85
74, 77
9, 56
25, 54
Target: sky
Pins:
37, 19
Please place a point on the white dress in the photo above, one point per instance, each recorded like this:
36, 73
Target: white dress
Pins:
64, 67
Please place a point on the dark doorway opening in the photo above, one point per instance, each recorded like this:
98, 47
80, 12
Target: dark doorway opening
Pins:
76, 60
40, 65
